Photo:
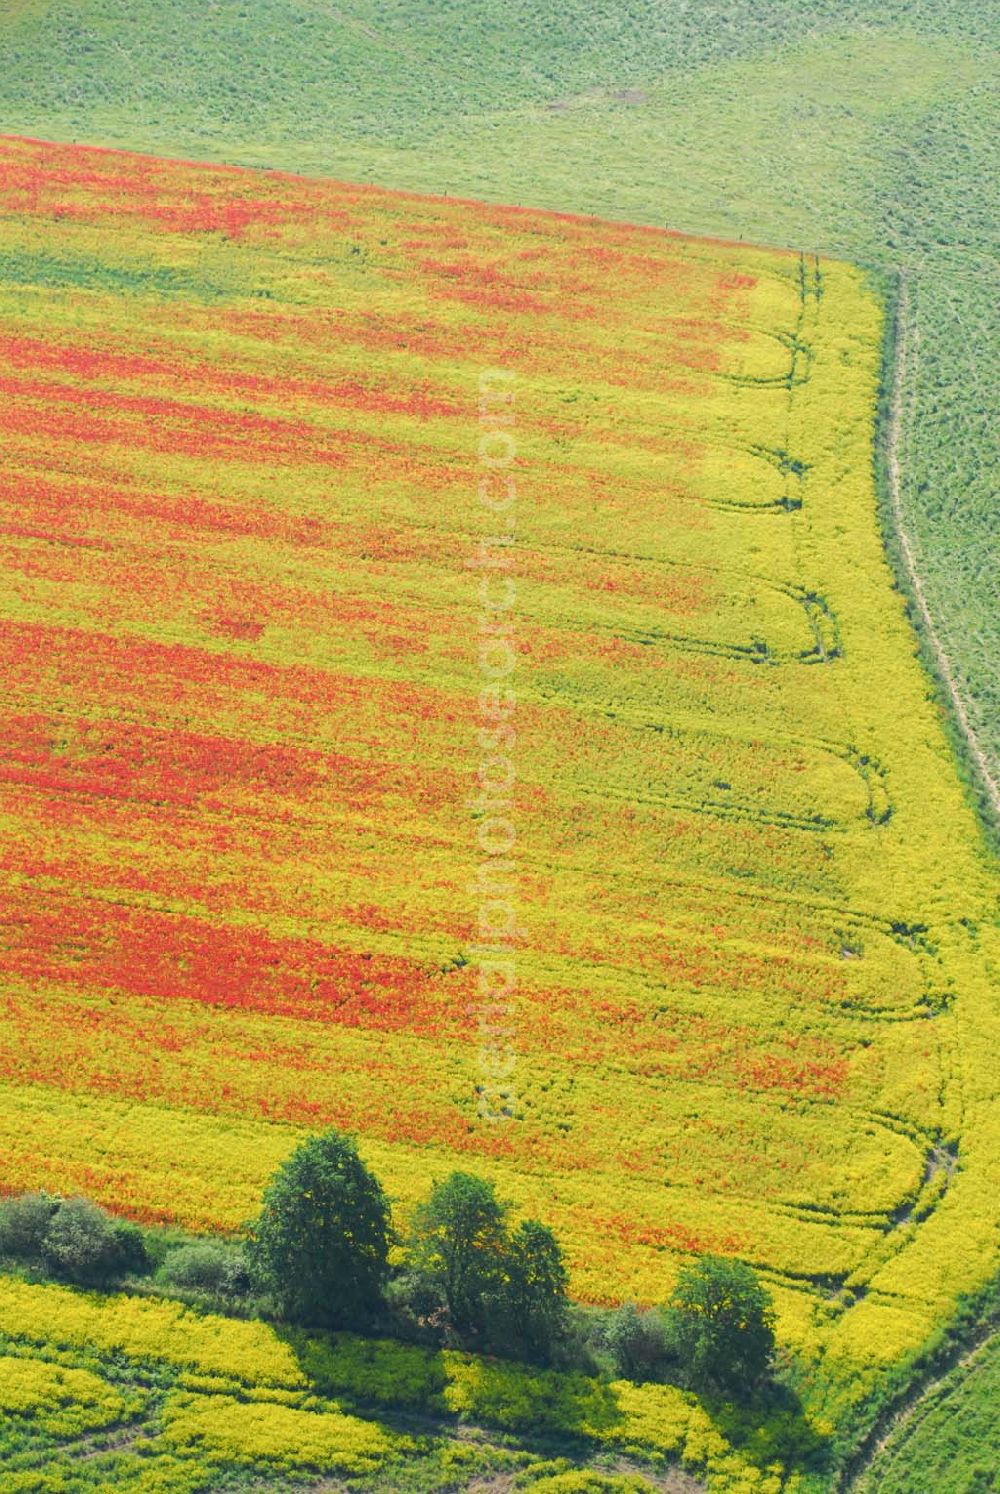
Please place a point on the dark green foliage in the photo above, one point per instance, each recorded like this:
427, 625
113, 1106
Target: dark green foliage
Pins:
478, 1282
133, 1258
417, 1307
529, 1311
24, 1222
637, 1343
457, 1249
81, 1243
320, 1247
237, 1280
73, 1238
720, 1322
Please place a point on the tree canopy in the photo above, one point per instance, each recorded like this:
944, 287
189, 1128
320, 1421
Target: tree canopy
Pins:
495, 1287
321, 1244
721, 1322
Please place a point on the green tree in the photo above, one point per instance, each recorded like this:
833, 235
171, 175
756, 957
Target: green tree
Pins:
721, 1322
457, 1248
527, 1314
320, 1246
473, 1279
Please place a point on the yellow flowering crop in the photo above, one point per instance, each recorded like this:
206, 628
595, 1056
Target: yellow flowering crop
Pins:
248, 517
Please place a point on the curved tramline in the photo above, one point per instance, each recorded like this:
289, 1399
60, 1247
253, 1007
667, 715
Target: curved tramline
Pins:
239, 633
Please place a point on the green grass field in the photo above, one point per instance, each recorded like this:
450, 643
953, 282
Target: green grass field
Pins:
859, 128
950, 1441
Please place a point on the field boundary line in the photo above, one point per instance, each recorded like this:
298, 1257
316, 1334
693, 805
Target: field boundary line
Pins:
901, 363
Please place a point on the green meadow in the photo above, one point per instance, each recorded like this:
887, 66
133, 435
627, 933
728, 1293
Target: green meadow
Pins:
949, 1442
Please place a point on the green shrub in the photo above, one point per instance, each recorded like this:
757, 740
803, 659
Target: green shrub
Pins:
202, 1266
24, 1223
417, 1308
133, 1257
81, 1243
637, 1342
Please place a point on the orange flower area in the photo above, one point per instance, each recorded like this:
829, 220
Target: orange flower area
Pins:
244, 885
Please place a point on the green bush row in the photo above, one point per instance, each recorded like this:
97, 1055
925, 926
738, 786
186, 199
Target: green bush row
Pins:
323, 1252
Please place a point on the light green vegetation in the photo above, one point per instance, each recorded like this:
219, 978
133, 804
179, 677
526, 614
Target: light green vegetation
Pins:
950, 1441
855, 127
